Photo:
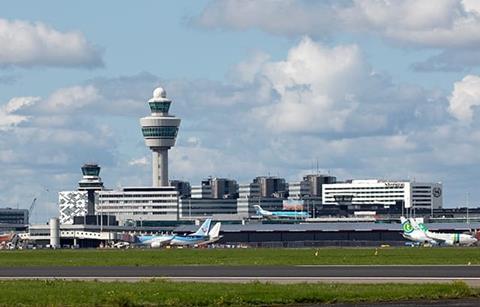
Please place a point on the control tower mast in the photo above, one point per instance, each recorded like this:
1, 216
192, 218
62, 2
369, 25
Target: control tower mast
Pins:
90, 182
160, 132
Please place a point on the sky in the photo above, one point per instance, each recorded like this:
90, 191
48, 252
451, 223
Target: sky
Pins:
363, 89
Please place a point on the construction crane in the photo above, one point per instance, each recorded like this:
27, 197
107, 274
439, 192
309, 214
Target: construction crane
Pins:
32, 206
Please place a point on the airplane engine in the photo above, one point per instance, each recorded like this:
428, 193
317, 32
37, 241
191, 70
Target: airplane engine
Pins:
156, 244
449, 242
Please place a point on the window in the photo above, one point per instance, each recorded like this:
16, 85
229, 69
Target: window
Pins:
159, 106
167, 132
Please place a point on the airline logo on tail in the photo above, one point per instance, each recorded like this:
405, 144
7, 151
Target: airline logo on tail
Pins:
203, 230
407, 226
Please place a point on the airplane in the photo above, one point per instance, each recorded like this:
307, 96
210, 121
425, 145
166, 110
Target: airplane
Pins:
281, 214
419, 232
198, 239
202, 236
446, 238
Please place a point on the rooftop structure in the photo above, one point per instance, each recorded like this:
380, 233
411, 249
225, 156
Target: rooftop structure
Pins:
160, 132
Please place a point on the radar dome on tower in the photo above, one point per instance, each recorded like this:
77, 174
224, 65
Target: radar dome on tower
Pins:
159, 94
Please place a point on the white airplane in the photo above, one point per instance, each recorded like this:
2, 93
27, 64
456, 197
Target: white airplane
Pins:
420, 232
446, 238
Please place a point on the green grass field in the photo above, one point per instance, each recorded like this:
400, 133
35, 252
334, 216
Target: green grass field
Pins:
163, 293
326, 256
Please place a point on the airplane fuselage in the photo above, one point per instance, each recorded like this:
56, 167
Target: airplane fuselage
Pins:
452, 238
188, 240
285, 215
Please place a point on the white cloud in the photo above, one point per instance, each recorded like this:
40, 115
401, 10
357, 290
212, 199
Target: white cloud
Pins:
8, 116
427, 23
472, 6
143, 161
321, 90
447, 25
70, 99
450, 60
196, 163
29, 44
465, 98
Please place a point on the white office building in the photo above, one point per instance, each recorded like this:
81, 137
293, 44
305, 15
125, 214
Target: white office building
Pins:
388, 193
139, 204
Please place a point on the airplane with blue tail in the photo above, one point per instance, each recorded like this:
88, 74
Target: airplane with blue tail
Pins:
281, 214
197, 239
204, 235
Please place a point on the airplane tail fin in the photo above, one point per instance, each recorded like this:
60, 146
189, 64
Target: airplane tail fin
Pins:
418, 226
203, 230
259, 210
407, 226
215, 231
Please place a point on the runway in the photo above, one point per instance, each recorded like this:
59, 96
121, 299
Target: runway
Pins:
282, 274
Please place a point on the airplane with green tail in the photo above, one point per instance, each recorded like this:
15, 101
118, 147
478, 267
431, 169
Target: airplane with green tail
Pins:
418, 232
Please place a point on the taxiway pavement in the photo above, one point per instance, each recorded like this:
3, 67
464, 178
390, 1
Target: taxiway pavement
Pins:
283, 274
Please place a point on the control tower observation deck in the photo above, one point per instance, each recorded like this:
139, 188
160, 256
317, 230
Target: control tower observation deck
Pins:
160, 132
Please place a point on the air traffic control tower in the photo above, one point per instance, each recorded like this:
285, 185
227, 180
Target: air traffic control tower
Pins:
160, 132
